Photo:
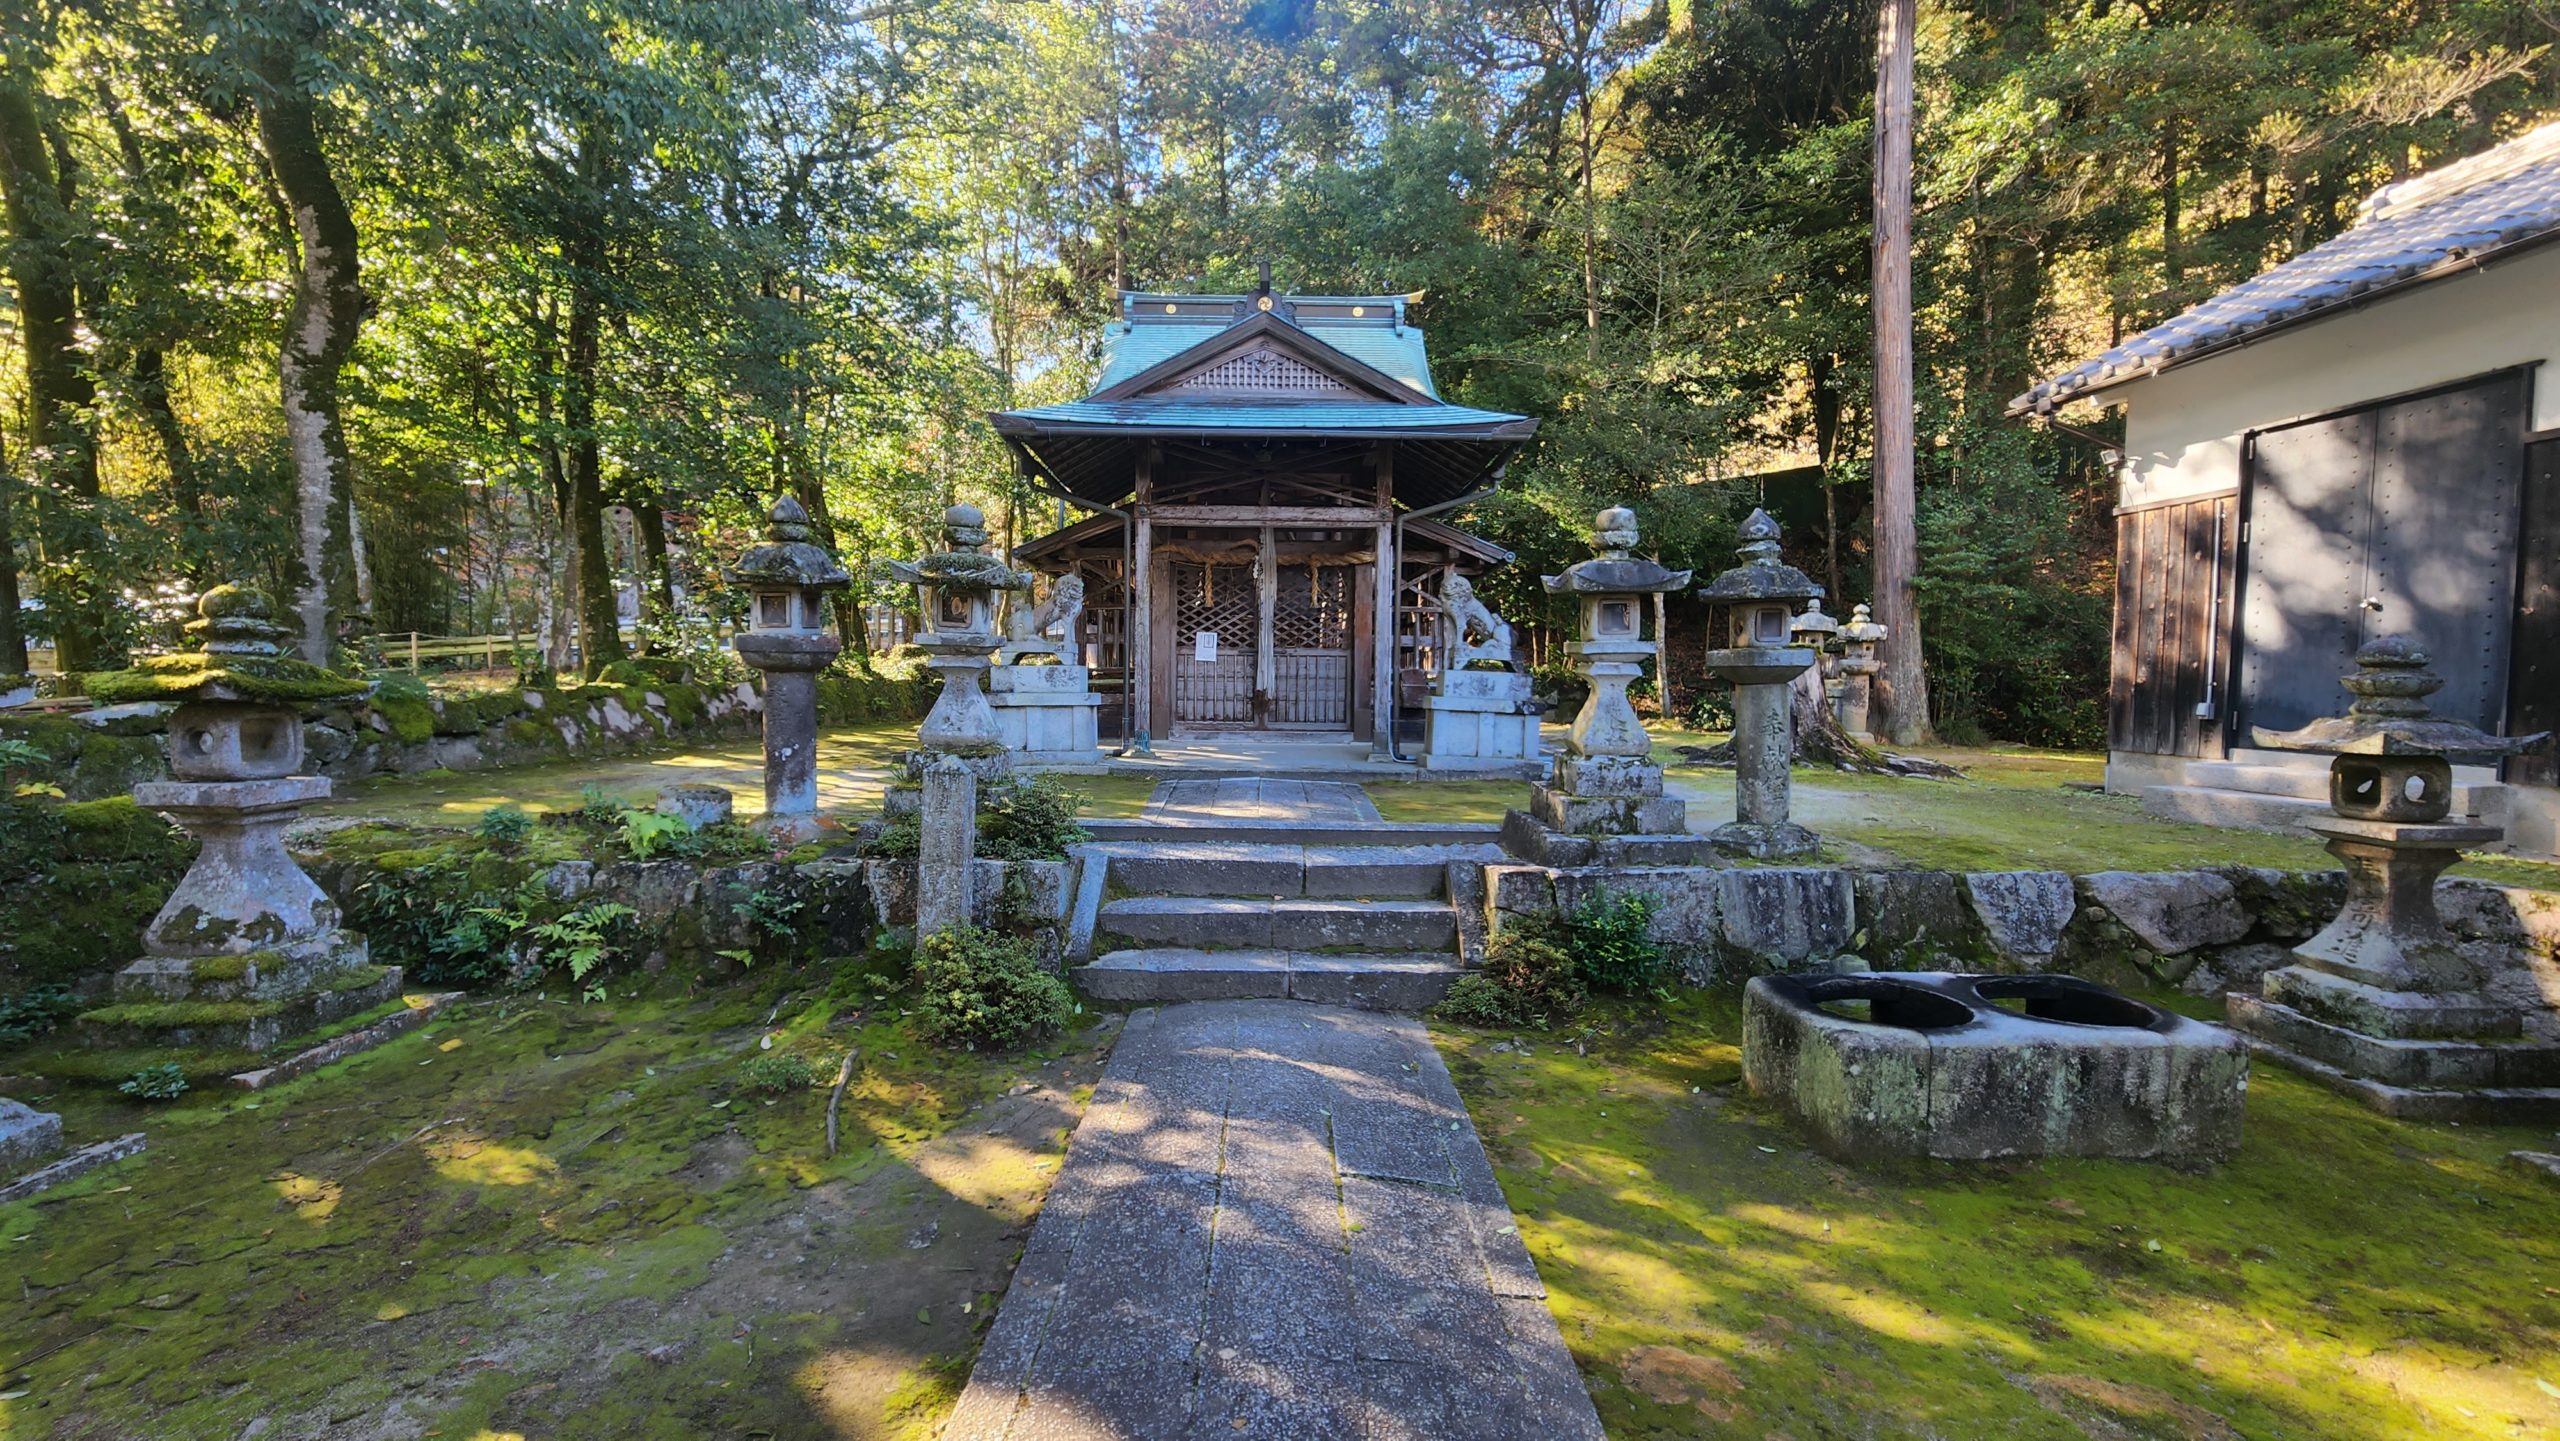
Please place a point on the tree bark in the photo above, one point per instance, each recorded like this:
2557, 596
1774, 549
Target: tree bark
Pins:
1902, 689
589, 257
13, 641
61, 387
329, 304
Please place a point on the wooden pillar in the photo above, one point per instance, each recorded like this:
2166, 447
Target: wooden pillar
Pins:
1389, 571
1265, 670
1139, 628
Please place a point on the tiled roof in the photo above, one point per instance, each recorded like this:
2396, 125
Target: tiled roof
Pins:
1385, 343
2418, 229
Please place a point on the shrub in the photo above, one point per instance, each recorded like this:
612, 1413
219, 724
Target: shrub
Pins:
163, 1082
1528, 980
1031, 819
504, 825
31, 1013
647, 834
978, 988
435, 920
777, 1073
1709, 711
1607, 941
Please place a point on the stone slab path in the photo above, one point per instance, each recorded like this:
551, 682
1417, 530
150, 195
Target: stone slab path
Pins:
1275, 1221
1214, 802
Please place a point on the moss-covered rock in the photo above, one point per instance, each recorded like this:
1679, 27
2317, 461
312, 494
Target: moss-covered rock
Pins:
412, 722
78, 881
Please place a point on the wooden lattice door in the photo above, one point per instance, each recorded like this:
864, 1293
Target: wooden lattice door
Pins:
1311, 647
1213, 679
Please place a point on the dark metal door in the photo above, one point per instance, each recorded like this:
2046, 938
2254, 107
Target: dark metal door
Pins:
2396, 519
2299, 622
2440, 563
1311, 647
1213, 678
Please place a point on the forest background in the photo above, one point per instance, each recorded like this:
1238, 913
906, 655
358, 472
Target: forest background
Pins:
466, 317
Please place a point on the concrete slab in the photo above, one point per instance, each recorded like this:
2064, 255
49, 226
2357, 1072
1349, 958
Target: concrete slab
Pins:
1323, 1281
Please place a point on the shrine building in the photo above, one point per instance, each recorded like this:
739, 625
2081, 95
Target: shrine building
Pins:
1263, 474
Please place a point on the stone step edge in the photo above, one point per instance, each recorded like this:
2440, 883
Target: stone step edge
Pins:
1407, 982
1207, 958
422, 1009
1226, 905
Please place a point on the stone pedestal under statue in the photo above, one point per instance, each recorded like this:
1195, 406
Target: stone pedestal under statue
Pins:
1479, 720
1046, 714
247, 950
2384, 1004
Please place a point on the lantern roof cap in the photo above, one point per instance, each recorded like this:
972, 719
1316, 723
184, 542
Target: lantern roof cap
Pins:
790, 556
1616, 570
1761, 576
2390, 715
240, 659
962, 563
1862, 625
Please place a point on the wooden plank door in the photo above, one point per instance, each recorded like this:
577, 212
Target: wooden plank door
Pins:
2440, 558
1216, 614
1311, 648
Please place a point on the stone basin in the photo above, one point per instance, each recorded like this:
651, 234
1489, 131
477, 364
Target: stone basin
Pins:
1973, 1067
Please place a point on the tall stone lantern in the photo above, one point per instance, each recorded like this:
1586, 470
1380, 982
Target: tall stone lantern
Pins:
2384, 998
1761, 595
961, 744
1606, 782
788, 579
247, 938
1857, 667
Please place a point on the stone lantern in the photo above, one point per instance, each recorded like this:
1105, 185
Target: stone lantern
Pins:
961, 742
788, 579
1760, 596
1857, 667
249, 940
2384, 998
1606, 782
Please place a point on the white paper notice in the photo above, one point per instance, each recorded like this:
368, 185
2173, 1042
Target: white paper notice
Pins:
1204, 646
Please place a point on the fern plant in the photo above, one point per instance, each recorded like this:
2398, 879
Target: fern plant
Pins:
582, 941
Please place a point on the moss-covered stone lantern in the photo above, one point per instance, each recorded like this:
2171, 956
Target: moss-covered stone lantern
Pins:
788, 579
1606, 782
1760, 596
2384, 999
247, 949
1857, 667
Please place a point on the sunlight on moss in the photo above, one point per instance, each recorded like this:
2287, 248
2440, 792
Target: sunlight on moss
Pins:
484, 1163
312, 1199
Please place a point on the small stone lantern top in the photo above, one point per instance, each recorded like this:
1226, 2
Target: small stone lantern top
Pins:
240, 660
1813, 628
1862, 628
1761, 576
1616, 570
962, 563
790, 557
2390, 715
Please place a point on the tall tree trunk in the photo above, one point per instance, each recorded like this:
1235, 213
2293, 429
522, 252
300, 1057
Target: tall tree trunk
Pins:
13, 641
2173, 260
1590, 225
650, 518
61, 388
329, 304
589, 258
1902, 688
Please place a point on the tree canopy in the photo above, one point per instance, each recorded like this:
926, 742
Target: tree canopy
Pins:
481, 318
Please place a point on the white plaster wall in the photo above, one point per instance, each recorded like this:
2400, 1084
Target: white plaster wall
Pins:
2183, 427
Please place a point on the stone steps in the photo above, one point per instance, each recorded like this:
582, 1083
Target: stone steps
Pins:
237, 1025
1375, 981
2311, 783
1294, 833
1192, 867
1289, 924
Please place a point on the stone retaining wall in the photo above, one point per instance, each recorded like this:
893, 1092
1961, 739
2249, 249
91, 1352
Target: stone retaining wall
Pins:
2202, 931
104, 752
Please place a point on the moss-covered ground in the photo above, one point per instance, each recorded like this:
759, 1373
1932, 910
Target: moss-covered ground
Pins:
533, 1218
2344, 1277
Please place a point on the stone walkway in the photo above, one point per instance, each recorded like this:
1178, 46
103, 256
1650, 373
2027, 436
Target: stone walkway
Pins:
1275, 1221
1213, 802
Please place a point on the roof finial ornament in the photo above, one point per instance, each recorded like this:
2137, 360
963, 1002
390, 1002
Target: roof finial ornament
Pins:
1264, 269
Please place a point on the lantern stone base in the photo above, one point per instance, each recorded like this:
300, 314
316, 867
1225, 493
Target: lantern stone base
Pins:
1785, 841
1608, 815
2411, 1078
239, 1003
1046, 714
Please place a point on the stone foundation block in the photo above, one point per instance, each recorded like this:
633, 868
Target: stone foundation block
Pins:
2022, 912
1592, 776
2170, 912
1784, 918
27, 1136
1908, 916
1608, 815
1932, 1064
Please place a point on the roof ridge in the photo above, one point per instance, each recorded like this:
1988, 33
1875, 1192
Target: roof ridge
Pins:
2539, 146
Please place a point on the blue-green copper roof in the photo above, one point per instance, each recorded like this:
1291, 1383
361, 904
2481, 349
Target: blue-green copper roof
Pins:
1155, 328
1297, 416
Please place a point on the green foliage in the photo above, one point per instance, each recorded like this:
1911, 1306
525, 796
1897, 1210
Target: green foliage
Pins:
164, 1082
26, 1014
779, 1073
445, 921
2012, 646
504, 825
17, 756
1528, 981
647, 834
981, 988
1033, 818
770, 913
1607, 941
78, 881
585, 942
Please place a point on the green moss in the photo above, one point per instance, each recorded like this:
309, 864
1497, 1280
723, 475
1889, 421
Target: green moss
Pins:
78, 881
197, 675
496, 708
170, 1015
2344, 1275
412, 721
228, 968
684, 704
